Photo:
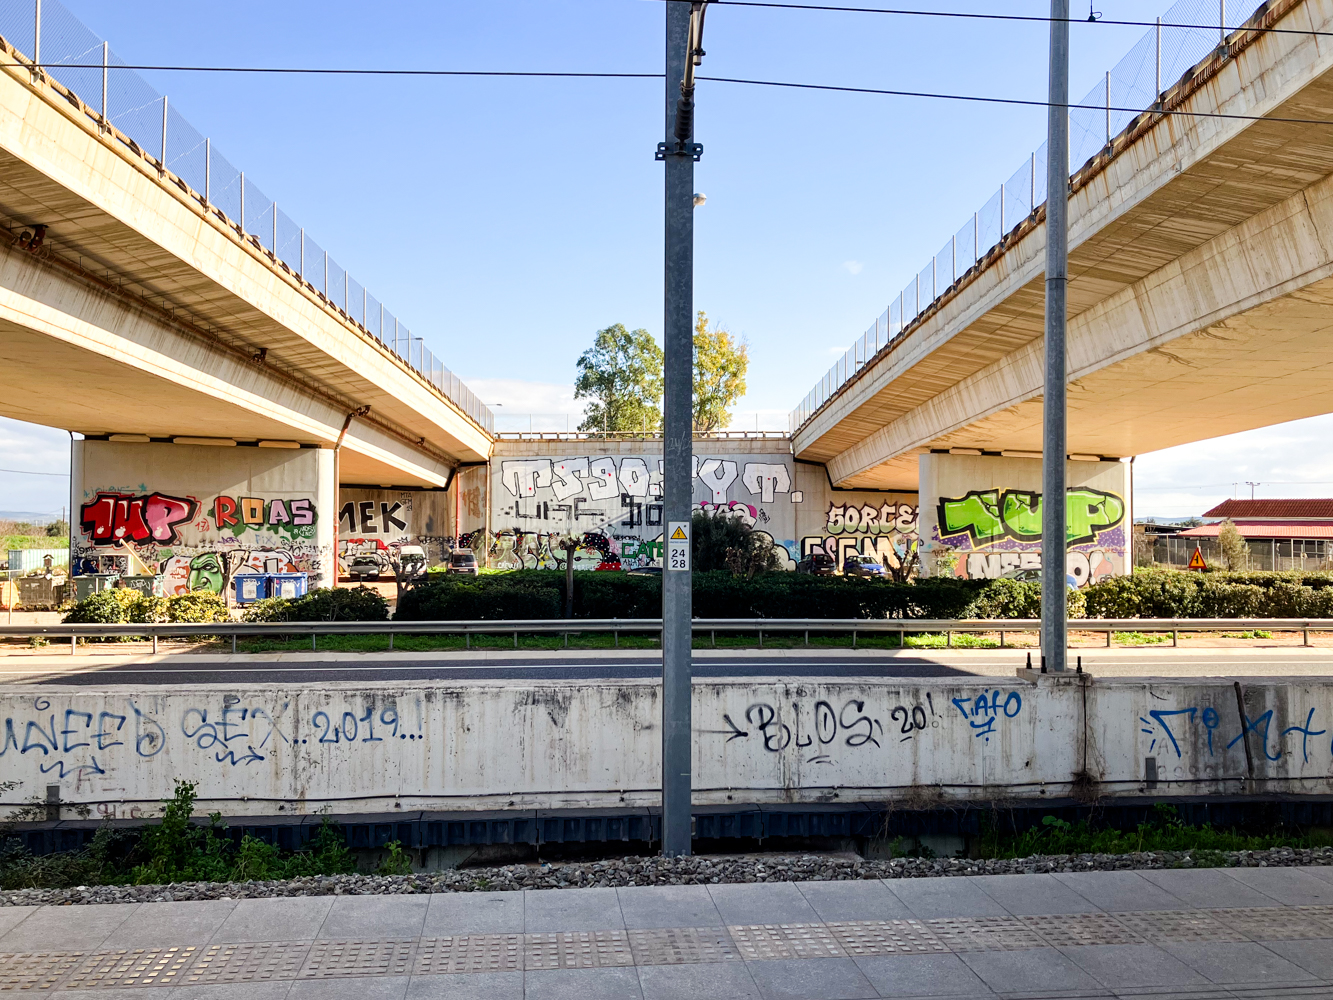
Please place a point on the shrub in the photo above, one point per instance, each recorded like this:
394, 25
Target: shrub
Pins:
196, 606
125, 605
339, 604
1005, 598
106, 607
1165, 593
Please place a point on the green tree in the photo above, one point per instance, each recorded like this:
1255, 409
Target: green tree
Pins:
1235, 549
721, 542
720, 363
622, 375
57, 529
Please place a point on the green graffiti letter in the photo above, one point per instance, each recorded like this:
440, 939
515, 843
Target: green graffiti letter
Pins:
1022, 515
977, 513
1091, 511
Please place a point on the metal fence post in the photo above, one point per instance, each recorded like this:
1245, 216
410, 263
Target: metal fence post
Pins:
1158, 91
106, 58
275, 230
976, 237
365, 305
1002, 229
301, 272
1032, 179
162, 163
347, 292
37, 41
208, 171
242, 204
1221, 22
326, 275
1108, 107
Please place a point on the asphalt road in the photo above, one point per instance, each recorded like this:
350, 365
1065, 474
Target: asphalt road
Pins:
308, 668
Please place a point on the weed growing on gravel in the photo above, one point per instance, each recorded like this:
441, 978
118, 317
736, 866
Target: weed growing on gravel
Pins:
1165, 831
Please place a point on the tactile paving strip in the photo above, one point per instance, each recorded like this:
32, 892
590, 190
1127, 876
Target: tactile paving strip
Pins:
469, 953
682, 946
886, 937
984, 934
132, 967
1179, 927
247, 962
329, 959
1278, 923
36, 970
1078, 929
577, 950
761, 941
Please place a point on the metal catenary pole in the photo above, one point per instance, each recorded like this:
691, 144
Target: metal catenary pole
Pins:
1054, 594
684, 25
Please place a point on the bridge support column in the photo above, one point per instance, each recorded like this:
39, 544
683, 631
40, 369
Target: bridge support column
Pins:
980, 518
202, 516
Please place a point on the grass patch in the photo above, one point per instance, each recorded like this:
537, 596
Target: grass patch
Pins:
1141, 638
1164, 831
1254, 633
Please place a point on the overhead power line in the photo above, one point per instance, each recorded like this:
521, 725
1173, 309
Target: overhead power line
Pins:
967, 15
833, 88
29, 472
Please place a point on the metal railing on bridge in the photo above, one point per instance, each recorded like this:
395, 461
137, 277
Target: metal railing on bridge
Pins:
856, 628
73, 56
1161, 57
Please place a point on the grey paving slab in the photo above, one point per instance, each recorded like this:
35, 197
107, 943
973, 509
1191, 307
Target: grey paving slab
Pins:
1324, 872
1030, 970
375, 917
1289, 886
762, 903
582, 984
811, 979
1121, 966
1238, 962
707, 981
101, 994
288, 918
668, 906
571, 910
12, 916
867, 899
472, 986
1121, 891
921, 976
453, 913
184, 922
929, 898
67, 928
351, 988
1033, 895
1315, 957
231, 991
1206, 887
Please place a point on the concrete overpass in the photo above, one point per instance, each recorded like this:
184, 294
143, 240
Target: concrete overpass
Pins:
1201, 275
143, 309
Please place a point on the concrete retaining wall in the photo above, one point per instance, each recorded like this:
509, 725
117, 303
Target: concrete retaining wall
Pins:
376, 747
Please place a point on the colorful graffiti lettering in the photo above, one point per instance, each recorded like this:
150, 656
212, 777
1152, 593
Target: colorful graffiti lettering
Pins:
360, 517
240, 514
847, 519
990, 515
117, 518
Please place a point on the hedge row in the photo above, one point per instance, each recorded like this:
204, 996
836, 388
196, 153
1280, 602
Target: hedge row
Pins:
532, 594
529, 594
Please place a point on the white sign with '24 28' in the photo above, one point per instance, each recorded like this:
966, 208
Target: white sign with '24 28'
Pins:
678, 545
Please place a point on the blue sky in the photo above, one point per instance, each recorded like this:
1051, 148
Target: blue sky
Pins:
507, 220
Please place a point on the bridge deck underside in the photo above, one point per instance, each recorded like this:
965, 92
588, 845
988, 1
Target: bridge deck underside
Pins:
1184, 183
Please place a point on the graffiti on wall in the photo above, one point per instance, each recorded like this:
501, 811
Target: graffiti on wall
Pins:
195, 545
613, 504
884, 533
988, 534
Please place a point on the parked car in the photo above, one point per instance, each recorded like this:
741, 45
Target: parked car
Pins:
463, 561
855, 566
817, 564
645, 571
364, 567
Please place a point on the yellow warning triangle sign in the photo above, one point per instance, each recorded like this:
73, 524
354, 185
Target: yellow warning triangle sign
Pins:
1196, 560
679, 535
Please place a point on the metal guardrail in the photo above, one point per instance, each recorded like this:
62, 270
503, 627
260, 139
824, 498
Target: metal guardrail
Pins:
639, 626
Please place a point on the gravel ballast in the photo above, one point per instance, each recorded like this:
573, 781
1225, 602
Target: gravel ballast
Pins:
655, 871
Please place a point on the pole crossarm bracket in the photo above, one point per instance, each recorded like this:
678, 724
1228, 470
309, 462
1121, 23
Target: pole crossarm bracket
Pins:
693, 149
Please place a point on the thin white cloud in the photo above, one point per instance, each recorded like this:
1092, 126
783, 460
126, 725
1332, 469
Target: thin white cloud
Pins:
33, 448
852, 267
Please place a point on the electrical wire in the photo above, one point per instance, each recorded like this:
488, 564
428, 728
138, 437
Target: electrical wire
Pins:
1035, 18
929, 95
1012, 101
28, 472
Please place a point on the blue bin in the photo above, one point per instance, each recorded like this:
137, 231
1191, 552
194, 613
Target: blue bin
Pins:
251, 587
288, 585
